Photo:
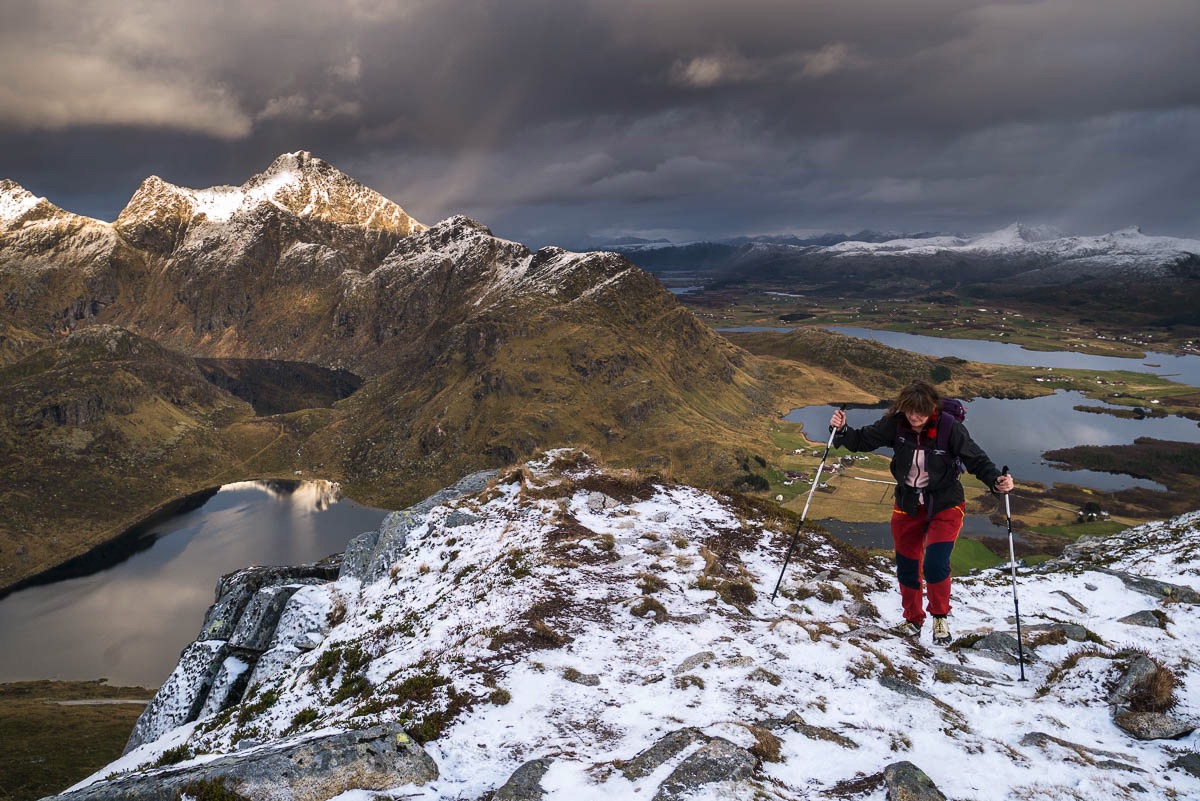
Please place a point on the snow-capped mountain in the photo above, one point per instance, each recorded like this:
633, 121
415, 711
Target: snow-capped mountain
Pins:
1020, 255
1047, 255
297, 183
569, 632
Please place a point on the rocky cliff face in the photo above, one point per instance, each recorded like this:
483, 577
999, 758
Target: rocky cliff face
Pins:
570, 631
57, 270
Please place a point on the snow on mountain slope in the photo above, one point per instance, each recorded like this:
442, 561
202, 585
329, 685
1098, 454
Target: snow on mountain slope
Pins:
298, 183
1045, 255
580, 615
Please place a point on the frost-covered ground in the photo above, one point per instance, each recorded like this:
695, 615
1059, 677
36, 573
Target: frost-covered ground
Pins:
582, 615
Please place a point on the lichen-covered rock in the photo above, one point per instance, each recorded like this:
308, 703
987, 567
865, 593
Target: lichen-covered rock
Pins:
1140, 671
271, 663
525, 784
1153, 725
393, 534
182, 695
665, 749
718, 760
227, 686
311, 769
1072, 631
256, 626
1002, 646
1162, 590
357, 556
235, 591
906, 782
1150, 618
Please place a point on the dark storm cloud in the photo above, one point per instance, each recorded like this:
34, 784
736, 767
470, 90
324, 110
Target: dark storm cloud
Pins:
551, 121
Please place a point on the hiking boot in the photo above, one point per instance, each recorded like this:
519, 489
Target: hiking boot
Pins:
941, 630
907, 629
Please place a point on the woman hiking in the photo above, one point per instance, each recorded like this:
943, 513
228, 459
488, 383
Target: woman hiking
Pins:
929, 509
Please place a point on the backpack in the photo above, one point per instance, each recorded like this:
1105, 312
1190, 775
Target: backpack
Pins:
952, 410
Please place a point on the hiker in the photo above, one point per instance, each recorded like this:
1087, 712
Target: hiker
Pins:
930, 504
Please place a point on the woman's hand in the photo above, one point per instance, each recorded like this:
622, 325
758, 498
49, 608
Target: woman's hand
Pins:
838, 420
1004, 483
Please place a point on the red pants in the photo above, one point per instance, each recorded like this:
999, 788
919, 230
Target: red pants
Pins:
923, 548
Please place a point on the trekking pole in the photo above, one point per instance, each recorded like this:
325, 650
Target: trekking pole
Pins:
796, 537
1012, 561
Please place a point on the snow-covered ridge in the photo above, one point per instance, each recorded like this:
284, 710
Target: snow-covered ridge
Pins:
296, 182
15, 201
586, 614
1018, 239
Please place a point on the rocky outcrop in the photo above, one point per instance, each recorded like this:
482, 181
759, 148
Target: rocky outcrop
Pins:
371, 555
906, 782
214, 671
311, 769
718, 760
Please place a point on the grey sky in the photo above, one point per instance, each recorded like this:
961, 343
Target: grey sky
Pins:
554, 120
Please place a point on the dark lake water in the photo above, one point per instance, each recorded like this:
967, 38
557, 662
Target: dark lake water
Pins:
128, 622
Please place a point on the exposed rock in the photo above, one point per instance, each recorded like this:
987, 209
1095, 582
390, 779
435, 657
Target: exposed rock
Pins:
798, 724
1140, 671
459, 518
256, 626
525, 784
662, 751
904, 688
357, 556
1154, 588
695, 661
856, 581
182, 695
862, 610
765, 676
718, 760
1071, 600
906, 782
1189, 763
227, 686
1110, 760
586, 679
1150, 618
1002, 646
250, 605
1153, 725
272, 662
312, 769
393, 534
1071, 631
598, 502
968, 675
235, 591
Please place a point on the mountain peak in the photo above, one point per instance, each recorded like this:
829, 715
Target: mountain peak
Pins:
299, 183
15, 201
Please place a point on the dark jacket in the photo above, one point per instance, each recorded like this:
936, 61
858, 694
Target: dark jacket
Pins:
944, 490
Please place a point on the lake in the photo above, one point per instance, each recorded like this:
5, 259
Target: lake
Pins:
129, 622
1181, 369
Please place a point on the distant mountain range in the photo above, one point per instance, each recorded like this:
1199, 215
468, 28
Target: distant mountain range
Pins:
1032, 255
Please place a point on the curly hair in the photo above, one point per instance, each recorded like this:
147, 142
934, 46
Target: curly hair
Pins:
919, 397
